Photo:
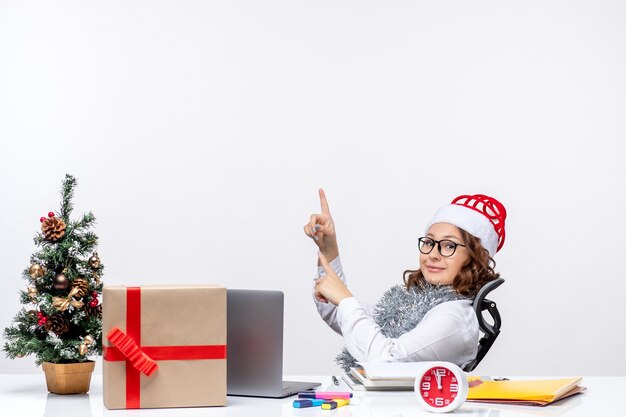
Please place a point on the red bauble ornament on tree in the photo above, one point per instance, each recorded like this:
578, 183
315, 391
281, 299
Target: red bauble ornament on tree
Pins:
93, 303
50, 214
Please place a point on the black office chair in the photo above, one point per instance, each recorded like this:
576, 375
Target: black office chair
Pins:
491, 331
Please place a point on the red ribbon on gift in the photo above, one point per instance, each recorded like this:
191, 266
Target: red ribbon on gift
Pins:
141, 359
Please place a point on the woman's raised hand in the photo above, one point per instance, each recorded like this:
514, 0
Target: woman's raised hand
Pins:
322, 229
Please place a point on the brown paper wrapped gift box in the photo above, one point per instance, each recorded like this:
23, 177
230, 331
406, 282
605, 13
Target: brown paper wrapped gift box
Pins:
166, 320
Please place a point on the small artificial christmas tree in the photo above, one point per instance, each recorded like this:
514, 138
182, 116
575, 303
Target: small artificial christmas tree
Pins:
63, 321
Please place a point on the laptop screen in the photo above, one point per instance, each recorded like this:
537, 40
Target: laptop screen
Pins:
255, 342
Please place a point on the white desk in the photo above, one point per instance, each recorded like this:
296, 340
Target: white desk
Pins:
26, 395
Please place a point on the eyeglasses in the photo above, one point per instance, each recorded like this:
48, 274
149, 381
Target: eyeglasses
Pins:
446, 247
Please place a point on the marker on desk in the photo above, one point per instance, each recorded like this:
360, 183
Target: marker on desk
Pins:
325, 395
313, 402
332, 404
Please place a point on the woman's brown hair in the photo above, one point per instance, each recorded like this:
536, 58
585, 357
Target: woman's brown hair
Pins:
473, 275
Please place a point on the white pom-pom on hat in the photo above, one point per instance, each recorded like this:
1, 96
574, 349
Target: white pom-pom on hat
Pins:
479, 215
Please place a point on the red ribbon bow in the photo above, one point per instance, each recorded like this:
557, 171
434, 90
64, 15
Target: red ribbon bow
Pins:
137, 357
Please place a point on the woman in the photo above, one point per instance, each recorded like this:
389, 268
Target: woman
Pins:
430, 317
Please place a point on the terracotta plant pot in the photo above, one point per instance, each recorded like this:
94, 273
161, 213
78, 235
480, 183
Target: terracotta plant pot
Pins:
68, 378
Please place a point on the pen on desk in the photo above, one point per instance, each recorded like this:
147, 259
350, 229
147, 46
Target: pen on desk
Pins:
474, 381
325, 395
335, 380
332, 404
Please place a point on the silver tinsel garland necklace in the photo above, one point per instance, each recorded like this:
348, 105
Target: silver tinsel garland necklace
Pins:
400, 310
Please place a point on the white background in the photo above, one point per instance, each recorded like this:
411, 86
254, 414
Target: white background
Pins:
200, 132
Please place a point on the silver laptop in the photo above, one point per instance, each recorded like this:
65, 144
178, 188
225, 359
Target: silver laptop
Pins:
255, 345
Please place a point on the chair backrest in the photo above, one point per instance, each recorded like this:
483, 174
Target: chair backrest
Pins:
491, 331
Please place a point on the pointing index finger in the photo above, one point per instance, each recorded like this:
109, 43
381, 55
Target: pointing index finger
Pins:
324, 262
324, 202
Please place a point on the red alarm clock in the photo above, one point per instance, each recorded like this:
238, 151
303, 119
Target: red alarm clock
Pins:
441, 387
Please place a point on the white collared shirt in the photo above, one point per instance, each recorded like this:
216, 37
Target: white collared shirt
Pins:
448, 332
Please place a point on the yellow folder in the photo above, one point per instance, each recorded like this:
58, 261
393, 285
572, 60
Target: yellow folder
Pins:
524, 392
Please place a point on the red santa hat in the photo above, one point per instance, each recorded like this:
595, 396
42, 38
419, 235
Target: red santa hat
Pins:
480, 215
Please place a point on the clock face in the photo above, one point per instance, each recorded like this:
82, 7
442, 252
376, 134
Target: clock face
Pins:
439, 387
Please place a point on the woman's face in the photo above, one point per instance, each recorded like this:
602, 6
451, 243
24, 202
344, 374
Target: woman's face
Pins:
439, 269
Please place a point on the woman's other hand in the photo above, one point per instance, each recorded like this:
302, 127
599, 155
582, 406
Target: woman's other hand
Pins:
330, 287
